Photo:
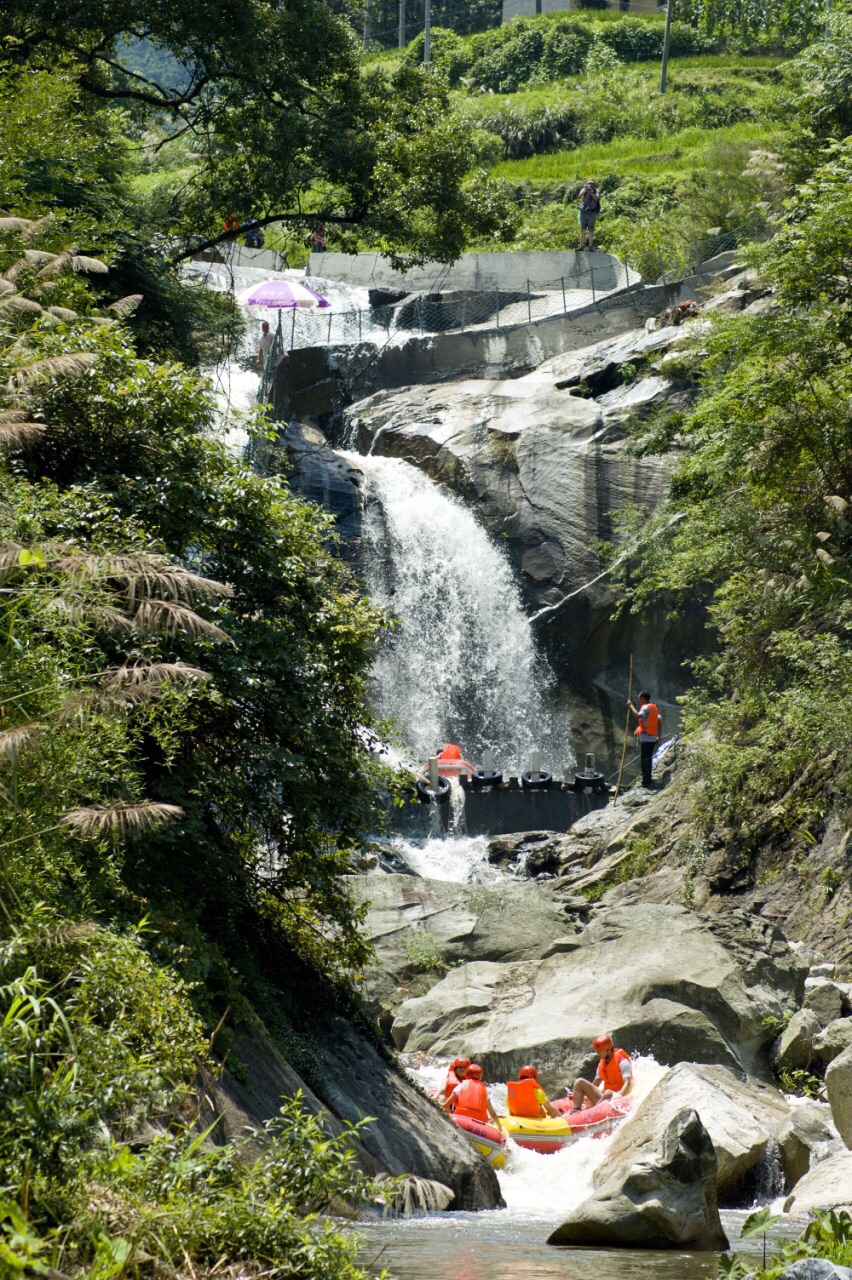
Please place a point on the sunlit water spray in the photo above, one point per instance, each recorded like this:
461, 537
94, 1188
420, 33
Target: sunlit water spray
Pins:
462, 665
535, 1185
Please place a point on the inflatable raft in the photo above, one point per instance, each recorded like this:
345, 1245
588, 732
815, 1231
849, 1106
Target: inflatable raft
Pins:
595, 1121
488, 1141
548, 1135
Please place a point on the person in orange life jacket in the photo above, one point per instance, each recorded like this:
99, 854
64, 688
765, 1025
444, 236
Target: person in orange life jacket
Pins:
648, 731
470, 1098
455, 1075
525, 1096
613, 1079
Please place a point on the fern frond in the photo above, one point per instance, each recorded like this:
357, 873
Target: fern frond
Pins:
69, 365
121, 818
168, 616
21, 435
126, 306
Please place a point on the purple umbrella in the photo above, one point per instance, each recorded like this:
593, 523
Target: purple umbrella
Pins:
280, 294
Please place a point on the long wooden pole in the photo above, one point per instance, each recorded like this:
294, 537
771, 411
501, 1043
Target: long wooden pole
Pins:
626, 730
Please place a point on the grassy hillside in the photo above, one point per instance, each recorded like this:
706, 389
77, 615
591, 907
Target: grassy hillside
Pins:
672, 167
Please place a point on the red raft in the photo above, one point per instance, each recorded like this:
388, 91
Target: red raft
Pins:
595, 1121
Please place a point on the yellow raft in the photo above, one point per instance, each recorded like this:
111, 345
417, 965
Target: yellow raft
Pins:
544, 1135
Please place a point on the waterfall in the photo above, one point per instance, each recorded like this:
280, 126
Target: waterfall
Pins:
462, 664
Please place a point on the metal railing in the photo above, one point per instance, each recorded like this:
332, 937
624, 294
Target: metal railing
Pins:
491, 306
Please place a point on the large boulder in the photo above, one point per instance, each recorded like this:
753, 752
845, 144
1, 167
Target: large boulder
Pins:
807, 1136
826, 999
838, 1084
794, 1047
663, 980
832, 1040
408, 1135
828, 1186
664, 1200
815, 1269
419, 928
740, 1116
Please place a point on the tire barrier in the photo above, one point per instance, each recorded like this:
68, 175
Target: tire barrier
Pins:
594, 782
543, 782
426, 795
479, 779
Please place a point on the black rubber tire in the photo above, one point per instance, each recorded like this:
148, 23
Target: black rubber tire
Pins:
426, 795
590, 782
600, 790
543, 783
479, 779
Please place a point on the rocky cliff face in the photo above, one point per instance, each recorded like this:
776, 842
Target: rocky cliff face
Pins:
544, 461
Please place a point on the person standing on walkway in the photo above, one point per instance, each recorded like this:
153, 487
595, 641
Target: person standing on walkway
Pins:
590, 207
648, 733
266, 341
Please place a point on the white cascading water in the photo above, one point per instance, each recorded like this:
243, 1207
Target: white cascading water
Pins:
462, 665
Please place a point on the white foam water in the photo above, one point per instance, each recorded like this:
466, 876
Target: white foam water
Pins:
460, 859
462, 665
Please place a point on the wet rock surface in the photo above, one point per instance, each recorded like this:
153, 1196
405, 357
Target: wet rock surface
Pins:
838, 1085
659, 977
664, 1199
420, 928
543, 459
806, 1137
828, 1186
741, 1117
409, 1134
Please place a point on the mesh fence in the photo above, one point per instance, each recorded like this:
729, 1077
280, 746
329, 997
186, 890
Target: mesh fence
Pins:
491, 305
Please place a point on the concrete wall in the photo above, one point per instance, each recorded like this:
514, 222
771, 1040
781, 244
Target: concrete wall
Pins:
499, 812
314, 383
237, 255
529, 8
480, 271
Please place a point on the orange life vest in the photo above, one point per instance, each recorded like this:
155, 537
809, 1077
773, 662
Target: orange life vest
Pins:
451, 1082
472, 1101
652, 721
521, 1098
610, 1072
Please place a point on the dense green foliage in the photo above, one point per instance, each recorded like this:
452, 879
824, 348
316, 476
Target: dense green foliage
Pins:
827, 1235
791, 22
272, 138
757, 522
183, 736
537, 50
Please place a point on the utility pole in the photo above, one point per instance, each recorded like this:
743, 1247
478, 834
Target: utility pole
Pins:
666, 42
828, 8
427, 34
366, 25
402, 24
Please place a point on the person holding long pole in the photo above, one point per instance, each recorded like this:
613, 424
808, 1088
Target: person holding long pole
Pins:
648, 733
